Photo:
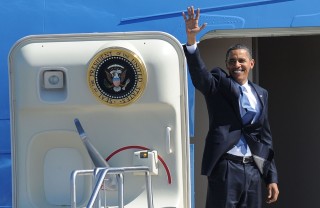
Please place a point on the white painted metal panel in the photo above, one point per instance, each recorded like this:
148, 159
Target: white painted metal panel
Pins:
42, 115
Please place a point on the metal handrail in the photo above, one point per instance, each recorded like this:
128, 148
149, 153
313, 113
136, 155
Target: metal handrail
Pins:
101, 173
73, 184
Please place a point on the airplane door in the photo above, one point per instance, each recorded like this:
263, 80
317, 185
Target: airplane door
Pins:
128, 90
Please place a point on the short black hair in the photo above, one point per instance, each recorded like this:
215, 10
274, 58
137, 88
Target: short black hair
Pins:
238, 46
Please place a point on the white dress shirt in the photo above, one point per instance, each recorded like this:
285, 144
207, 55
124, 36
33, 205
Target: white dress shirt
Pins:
255, 104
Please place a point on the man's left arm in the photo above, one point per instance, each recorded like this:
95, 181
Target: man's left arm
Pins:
271, 178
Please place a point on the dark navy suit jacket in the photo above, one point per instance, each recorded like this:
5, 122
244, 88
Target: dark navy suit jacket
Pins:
225, 125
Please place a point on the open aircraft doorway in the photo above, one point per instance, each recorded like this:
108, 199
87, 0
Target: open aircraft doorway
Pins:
286, 65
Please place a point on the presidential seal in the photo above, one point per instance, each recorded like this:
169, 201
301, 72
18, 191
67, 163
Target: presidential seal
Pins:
117, 76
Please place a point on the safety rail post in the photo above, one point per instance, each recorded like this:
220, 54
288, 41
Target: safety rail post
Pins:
73, 184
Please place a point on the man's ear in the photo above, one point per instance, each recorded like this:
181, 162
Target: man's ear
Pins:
252, 63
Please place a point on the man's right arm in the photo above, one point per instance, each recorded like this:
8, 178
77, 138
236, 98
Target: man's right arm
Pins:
202, 79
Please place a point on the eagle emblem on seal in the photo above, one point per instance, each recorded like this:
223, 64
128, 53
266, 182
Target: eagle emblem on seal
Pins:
116, 78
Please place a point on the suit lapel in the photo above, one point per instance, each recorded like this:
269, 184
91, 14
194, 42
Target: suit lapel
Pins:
259, 94
260, 97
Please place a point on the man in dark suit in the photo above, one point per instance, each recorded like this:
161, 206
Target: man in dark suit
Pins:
238, 151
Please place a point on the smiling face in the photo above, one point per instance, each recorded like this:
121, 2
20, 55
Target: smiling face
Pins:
239, 63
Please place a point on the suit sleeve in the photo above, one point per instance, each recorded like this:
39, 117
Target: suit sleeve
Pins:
271, 176
203, 80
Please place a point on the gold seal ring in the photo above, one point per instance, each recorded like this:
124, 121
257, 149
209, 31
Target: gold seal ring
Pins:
117, 76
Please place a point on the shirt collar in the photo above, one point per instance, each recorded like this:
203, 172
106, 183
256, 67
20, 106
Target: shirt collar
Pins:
245, 85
